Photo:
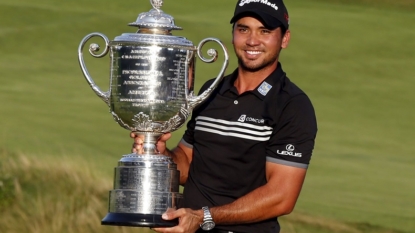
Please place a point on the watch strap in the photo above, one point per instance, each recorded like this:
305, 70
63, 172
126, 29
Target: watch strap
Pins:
206, 214
208, 223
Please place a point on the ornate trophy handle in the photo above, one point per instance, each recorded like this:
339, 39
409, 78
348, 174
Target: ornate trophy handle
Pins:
195, 100
93, 49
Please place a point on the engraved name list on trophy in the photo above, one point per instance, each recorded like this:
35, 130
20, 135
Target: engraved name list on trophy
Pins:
150, 93
150, 79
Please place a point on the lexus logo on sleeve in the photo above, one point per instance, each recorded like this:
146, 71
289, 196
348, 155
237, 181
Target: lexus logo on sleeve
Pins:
289, 151
290, 147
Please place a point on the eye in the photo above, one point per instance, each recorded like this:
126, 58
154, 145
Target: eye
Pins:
265, 31
243, 30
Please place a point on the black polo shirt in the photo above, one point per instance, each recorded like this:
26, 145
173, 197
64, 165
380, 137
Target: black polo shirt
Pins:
233, 136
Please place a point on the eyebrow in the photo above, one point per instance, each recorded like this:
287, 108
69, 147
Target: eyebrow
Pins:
241, 25
246, 26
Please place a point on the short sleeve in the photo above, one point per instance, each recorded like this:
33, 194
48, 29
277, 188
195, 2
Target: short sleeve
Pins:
293, 137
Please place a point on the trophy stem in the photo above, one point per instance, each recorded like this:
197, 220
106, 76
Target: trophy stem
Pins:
149, 142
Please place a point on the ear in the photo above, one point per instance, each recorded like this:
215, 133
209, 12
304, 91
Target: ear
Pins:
286, 39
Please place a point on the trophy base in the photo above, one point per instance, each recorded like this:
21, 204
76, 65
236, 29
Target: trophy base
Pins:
137, 220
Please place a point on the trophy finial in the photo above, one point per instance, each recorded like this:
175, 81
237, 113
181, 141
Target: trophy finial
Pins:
157, 4
155, 21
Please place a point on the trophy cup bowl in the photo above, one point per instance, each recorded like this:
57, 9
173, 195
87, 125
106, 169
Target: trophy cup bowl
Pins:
150, 93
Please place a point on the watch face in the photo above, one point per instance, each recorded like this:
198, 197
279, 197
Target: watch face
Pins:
207, 226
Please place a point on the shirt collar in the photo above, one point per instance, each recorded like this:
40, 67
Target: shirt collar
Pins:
270, 82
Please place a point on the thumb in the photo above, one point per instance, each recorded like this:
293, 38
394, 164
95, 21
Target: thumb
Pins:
170, 214
161, 143
164, 137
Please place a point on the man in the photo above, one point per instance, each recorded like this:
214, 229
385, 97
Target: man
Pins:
245, 153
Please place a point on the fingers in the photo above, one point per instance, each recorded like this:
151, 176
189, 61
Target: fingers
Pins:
138, 143
138, 147
189, 220
170, 214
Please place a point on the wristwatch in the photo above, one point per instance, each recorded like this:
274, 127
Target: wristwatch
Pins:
208, 223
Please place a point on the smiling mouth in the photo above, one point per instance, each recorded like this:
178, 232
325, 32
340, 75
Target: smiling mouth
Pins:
252, 52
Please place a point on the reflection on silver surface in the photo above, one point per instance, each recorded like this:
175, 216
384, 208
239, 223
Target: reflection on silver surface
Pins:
145, 184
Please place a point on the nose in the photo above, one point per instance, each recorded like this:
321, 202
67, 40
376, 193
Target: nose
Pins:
252, 39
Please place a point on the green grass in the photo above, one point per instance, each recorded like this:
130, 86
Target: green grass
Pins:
360, 75
354, 59
49, 197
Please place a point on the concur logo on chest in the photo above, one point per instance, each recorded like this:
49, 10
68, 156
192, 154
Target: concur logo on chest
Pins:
244, 118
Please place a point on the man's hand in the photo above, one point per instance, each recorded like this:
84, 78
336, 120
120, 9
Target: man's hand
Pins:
189, 221
139, 140
181, 155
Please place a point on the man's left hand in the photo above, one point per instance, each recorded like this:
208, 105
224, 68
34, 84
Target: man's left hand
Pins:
189, 220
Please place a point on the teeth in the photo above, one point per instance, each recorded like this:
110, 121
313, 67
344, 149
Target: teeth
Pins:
253, 52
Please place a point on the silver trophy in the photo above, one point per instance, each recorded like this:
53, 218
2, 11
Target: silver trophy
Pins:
150, 93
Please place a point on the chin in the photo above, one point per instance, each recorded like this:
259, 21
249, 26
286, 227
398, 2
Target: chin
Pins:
251, 67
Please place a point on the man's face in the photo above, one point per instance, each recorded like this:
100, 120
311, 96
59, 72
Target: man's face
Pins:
256, 46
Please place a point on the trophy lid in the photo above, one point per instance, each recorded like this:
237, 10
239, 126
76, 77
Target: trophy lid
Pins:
155, 19
155, 27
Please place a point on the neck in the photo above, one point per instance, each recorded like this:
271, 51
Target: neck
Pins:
249, 80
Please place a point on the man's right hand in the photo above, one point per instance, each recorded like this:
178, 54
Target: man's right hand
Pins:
182, 155
139, 141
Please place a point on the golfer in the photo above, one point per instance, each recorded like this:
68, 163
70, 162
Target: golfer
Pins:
244, 155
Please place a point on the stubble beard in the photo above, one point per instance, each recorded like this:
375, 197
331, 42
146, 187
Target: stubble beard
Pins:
256, 66
253, 68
